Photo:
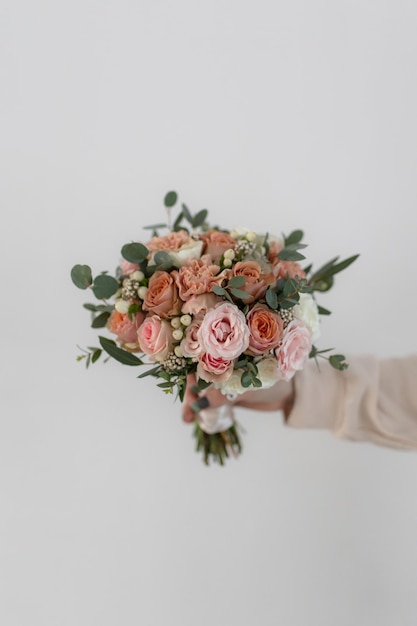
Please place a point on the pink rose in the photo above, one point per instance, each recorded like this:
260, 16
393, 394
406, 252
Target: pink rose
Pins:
223, 332
266, 328
155, 338
214, 369
125, 328
294, 349
216, 243
287, 269
198, 276
190, 345
256, 282
162, 296
201, 303
127, 268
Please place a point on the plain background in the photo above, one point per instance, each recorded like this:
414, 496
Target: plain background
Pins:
274, 115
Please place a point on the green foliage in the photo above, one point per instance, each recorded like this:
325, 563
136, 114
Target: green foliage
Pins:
218, 446
170, 199
124, 357
199, 218
294, 237
338, 362
322, 279
290, 252
101, 320
105, 286
89, 356
81, 276
134, 252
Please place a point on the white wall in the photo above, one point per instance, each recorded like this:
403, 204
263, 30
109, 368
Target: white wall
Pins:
276, 115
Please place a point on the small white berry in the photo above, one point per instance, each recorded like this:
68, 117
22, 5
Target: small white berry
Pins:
142, 291
121, 306
178, 351
177, 334
251, 236
185, 320
229, 254
227, 262
175, 322
138, 275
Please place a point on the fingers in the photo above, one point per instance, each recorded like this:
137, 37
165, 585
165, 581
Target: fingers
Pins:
188, 415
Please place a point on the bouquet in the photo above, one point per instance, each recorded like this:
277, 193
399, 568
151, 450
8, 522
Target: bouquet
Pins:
235, 307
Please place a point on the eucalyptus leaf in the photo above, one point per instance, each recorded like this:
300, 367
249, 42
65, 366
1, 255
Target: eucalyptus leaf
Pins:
220, 291
163, 260
105, 286
290, 255
127, 358
187, 214
237, 281
246, 380
170, 199
323, 311
256, 382
96, 355
153, 372
101, 320
155, 226
338, 362
239, 293
97, 307
271, 298
294, 237
134, 252
81, 276
200, 218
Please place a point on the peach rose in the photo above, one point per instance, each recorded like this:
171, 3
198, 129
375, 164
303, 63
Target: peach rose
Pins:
214, 369
216, 243
201, 303
294, 349
266, 328
179, 245
162, 296
223, 332
190, 345
155, 338
198, 276
256, 282
125, 328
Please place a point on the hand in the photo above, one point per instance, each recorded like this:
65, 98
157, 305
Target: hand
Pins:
280, 397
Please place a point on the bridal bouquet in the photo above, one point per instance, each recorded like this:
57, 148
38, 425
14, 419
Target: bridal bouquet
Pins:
235, 307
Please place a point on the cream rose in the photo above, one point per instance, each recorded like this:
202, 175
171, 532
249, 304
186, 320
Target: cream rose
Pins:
179, 245
268, 372
307, 311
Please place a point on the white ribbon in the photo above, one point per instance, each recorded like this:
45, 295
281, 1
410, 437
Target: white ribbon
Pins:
216, 420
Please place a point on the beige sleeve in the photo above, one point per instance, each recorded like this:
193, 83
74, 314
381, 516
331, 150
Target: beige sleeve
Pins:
373, 400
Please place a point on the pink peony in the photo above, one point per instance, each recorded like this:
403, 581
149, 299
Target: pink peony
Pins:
223, 332
266, 328
214, 369
294, 349
125, 328
155, 338
162, 296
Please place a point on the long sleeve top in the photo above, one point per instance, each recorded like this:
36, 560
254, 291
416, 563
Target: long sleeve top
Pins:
373, 400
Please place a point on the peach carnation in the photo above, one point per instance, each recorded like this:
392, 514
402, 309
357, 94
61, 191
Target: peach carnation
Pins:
198, 276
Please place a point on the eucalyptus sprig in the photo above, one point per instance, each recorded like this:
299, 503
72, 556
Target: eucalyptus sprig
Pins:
232, 288
338, 361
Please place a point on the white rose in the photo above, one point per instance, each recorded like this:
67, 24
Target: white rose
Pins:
307, 311
268, 372
232, 386
190, 250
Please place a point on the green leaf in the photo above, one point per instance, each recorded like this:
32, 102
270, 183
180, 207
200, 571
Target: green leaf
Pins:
290, 255
338, 362
220, 291
96, 355
256, 382
105, 286
187, 214
101, 320
202, 384
81, 276
323, 284
323, 311
252, 367
238, 293
200, 218
170, 198
155, 226
134, 252
151, 372
294, 237
98, 307
237, 281
163, 260
241, 364
271, 298
178, 221
246, 380
127, 358
344, 264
